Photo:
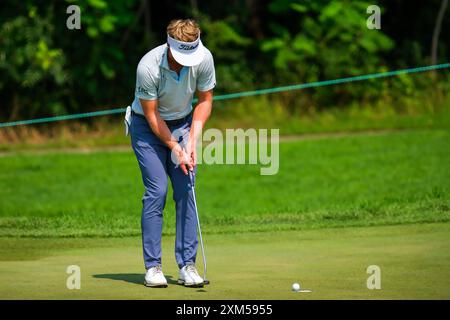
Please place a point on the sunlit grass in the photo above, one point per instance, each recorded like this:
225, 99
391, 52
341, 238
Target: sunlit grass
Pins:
394, 178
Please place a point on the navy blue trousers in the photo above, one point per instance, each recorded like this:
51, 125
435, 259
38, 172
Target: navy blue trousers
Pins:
156, 165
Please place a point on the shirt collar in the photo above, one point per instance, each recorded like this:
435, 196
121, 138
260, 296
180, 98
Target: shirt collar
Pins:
165, 62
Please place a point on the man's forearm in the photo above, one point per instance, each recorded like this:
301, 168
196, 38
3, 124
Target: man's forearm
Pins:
201, 114
159, 127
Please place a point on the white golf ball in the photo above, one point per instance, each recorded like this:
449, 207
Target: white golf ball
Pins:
296, 287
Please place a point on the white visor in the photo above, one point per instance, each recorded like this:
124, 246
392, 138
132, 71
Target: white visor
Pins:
186, 53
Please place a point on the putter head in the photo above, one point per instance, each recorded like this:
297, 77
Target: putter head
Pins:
205, 282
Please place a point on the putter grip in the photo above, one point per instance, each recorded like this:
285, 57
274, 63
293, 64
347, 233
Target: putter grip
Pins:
191, 177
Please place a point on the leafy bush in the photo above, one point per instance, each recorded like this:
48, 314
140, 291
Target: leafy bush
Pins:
30, 63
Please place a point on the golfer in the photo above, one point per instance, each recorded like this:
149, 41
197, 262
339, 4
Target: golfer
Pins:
164, 142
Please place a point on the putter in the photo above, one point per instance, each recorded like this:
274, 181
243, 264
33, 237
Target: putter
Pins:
191, 177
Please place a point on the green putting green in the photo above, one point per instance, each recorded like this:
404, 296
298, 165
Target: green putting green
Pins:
414, 262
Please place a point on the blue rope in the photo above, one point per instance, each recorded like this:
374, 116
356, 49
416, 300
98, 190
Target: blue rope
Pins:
241, 94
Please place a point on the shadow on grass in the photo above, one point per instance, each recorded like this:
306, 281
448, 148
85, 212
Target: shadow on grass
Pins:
135, 278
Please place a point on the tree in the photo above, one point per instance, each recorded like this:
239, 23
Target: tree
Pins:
30, 64
325, 40
437, 31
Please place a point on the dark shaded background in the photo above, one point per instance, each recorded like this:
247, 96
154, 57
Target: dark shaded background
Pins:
46, 69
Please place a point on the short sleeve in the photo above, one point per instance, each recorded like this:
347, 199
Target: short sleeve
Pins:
206, 74
146, 84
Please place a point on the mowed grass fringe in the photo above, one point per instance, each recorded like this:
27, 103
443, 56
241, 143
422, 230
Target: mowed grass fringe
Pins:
395, 178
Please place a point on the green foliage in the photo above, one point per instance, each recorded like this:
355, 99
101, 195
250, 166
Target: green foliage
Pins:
103, 24
231, 71
29, 58
43, 76
46, 69
327, 41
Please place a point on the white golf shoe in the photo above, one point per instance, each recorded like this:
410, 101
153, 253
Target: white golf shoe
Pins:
155, 278
189, 277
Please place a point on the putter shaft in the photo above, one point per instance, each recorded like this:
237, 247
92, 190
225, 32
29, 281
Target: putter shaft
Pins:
191, 176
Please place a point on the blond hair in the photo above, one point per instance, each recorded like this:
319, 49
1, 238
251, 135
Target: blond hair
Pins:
186, 30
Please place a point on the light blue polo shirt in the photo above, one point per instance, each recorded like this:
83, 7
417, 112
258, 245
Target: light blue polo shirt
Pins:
155, 80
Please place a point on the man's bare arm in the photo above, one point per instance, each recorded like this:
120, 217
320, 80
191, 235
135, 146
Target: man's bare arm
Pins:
160, 129
201, 113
